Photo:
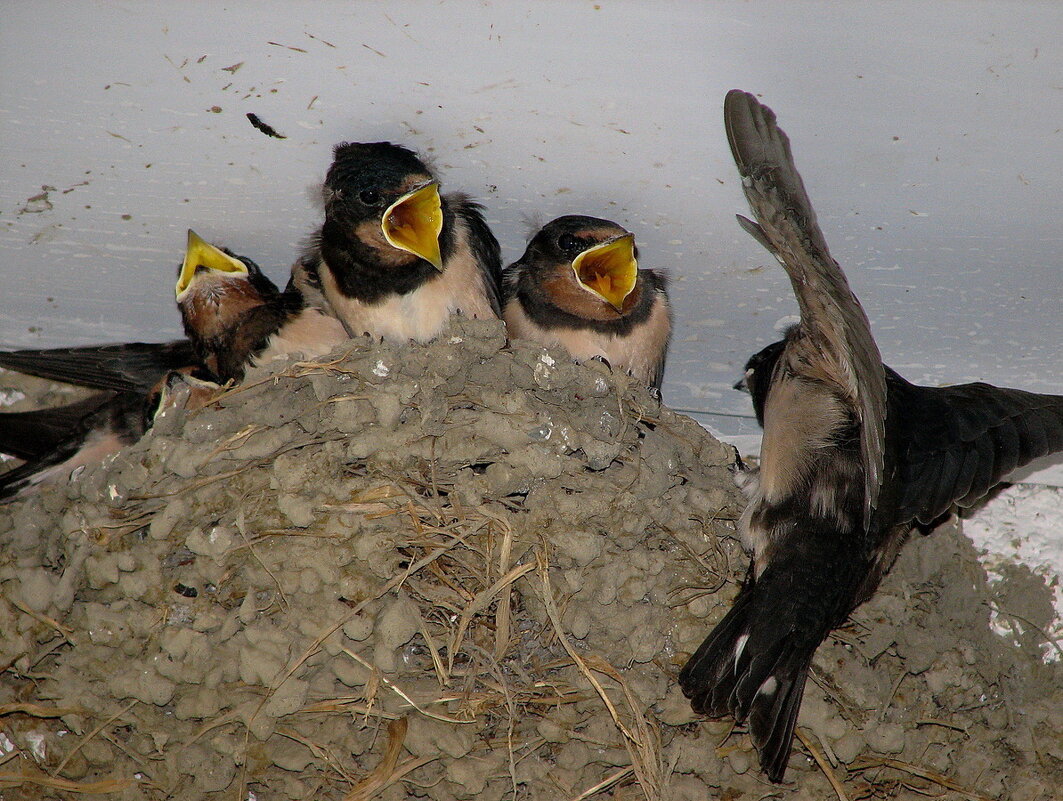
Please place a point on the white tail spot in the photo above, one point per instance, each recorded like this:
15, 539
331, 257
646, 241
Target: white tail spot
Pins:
739, 647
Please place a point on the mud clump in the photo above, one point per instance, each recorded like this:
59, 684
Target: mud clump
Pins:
455, 571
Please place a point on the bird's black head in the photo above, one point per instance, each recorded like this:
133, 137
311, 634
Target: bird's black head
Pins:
383, 211
566, 237
757, 379
365, 178
584, 265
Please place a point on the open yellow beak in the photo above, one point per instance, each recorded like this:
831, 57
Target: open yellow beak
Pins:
413, 223
200, 253
609, 269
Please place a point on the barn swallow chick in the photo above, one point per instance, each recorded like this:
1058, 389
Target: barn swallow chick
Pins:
226, 303
235, 316
579, 286
56, 442
853, 458
395, 258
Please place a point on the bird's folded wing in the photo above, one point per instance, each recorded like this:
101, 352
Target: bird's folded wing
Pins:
836, 345
31, 434
129, 367
485, 251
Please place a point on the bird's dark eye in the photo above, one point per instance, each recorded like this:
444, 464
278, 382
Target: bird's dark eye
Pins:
567, 242
369, 196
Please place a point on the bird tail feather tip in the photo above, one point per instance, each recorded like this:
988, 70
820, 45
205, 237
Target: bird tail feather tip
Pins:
753, 666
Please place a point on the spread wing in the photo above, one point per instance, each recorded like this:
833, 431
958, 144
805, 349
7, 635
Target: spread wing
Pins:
957, 443
129, 367
835, 343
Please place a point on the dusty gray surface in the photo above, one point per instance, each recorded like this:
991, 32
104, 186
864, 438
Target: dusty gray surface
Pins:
391, 576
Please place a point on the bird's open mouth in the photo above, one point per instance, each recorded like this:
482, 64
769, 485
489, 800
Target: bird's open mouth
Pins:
201, 255
413, 223
609, 269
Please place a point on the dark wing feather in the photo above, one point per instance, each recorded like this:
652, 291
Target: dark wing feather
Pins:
755, 662
956, 443
31, 434
119, 415
510, 277
658, 282
835, 345
15, 479
129, 367
485, 250
305, 279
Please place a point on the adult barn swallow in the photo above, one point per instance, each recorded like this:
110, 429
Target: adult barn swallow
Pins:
395, 258
579, 286
853, 457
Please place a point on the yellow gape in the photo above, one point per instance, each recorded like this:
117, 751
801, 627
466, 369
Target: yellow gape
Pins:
413, 223
200, 253
609, 269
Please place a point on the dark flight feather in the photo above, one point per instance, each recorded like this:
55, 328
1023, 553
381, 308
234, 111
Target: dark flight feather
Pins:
133, 366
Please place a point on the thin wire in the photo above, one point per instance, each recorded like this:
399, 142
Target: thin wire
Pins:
714, 414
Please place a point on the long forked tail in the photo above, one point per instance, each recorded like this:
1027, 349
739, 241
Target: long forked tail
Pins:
753, 666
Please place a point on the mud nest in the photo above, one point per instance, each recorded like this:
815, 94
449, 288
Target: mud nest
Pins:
463, 570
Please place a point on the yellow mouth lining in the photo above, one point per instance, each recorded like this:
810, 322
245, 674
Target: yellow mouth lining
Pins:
413, 223
609, 269
200, 253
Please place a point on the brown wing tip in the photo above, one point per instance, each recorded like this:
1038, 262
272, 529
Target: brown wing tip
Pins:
753, 133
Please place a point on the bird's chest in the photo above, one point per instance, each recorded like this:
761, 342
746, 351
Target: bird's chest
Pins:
418, 315
310, 333
810, 476
638, 352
